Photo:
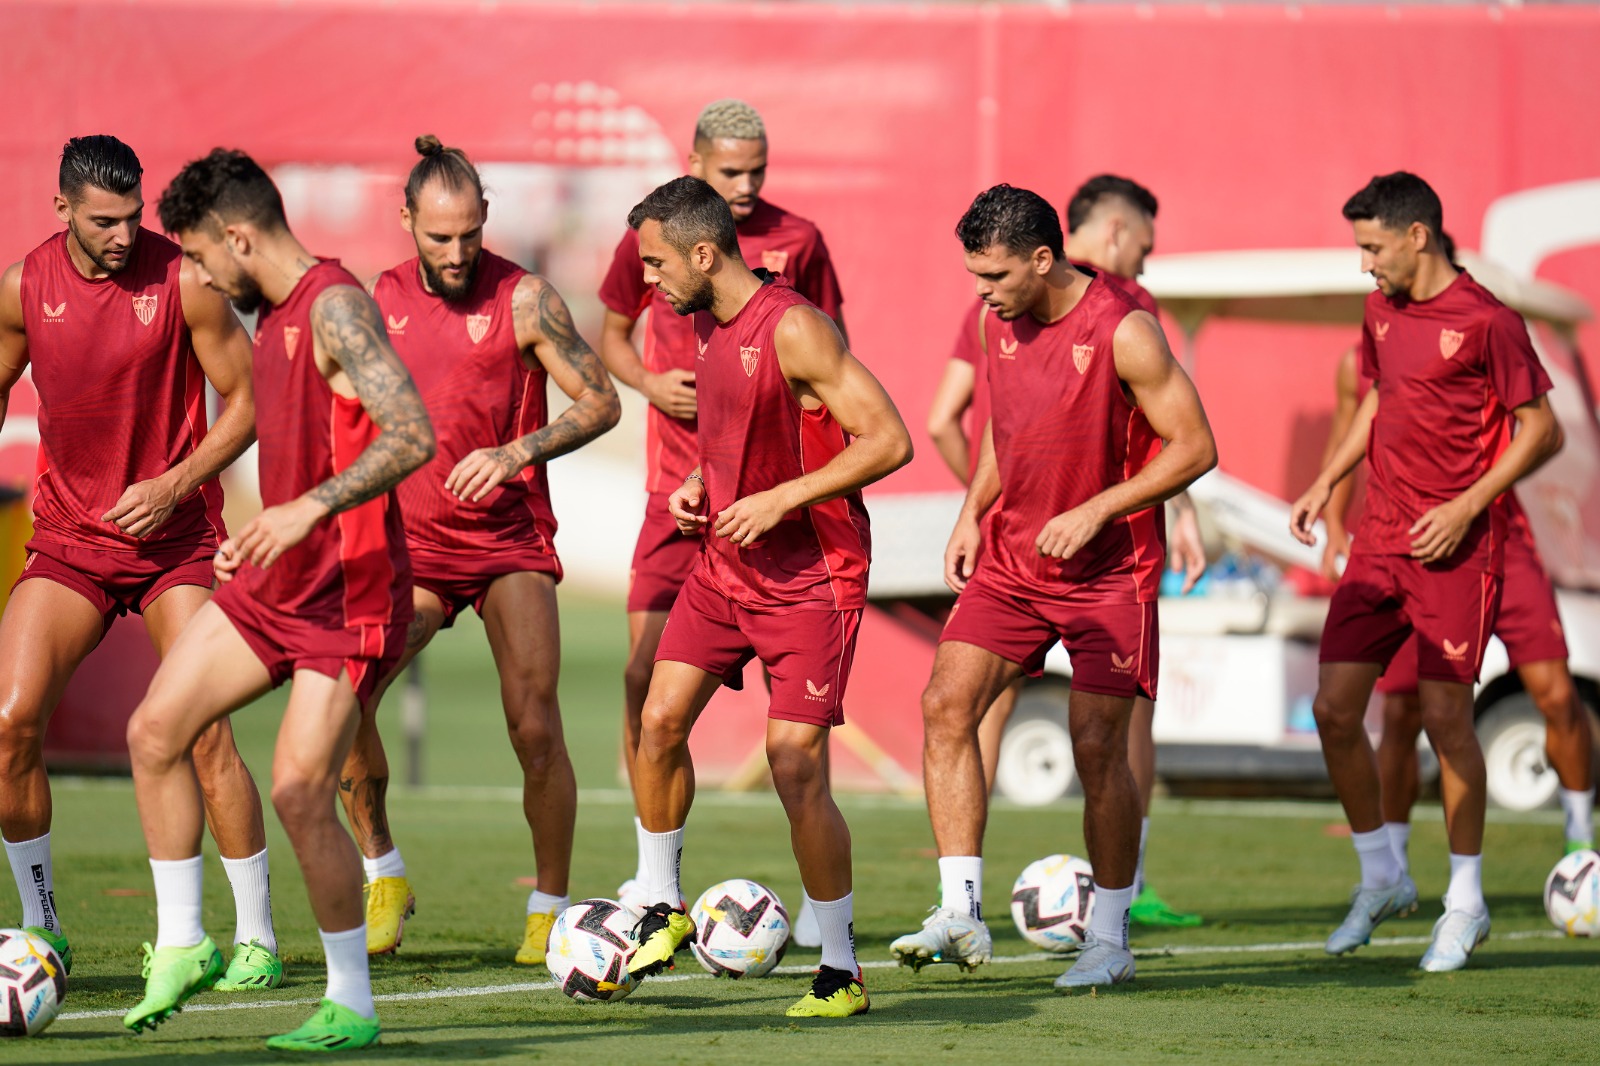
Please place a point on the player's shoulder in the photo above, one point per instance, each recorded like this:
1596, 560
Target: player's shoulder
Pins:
770, 217
391, 279
11, 290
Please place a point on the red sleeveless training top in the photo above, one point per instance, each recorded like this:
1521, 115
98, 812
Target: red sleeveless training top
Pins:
755, 435
1065, 431
353, 569
121, 395
463, 356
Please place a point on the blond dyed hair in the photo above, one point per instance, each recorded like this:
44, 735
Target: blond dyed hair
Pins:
732, 120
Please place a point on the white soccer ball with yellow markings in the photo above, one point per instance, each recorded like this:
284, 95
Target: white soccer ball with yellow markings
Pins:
33, 982
1572, 894
1051, 902
588, 950
741, 929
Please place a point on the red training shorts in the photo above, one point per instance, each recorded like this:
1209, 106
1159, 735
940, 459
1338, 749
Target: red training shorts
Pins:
662, 559
1528, 624
119, 582
1114, 647
807, 653
284, 644
459, 580
1382, 599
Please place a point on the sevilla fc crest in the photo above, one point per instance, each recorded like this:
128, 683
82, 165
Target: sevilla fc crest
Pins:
775, 261
145, 308
749, 357
1450, 342
477, 327
1081, 354
291, 340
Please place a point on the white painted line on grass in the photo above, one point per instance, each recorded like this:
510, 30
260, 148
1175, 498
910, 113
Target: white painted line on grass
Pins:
874, 964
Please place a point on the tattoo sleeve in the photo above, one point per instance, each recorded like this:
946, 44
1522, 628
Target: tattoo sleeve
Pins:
542, 316
345, 321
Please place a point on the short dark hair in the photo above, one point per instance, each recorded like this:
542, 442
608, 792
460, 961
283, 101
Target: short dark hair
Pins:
1105, 187
225, 186
99, 160
438, 163
1397, 200
1016, 218
690, 211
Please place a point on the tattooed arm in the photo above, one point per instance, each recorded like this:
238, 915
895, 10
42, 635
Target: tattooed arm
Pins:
352, 351
546, 333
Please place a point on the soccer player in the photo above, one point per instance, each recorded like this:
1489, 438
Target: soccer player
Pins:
481, 336
122, 337
791, 428
315, 590
1529, 625
1083, 387
730, 154
1448, 361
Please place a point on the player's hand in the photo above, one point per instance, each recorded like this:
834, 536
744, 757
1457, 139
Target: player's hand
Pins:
673, 392
226, 561
961, 553
684, 505
1186, 552
277, 529
1439, 532
1336, 554
748, 520
481, 472
1065, 534
143, 508
1303, 517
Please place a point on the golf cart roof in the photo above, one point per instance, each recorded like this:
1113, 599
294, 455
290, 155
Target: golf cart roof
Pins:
1319, 285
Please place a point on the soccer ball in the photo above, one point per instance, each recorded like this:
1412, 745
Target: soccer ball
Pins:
588, 950
1051, 902
741, 929
32, 983
1572, 894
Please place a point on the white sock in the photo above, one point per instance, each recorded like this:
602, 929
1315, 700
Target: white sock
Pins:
1399, 843
1138, 870
1378, 866
545, 903
961, 885
1109, 922
348, 982
639, 835
389, 864
663, 859
252, 900
1578, 805
836, 920
1466, 885
178, 884
36, 882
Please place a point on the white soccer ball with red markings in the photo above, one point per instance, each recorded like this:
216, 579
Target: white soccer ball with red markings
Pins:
1051, 902
741, 929
588, 950
33, 982
1572, 894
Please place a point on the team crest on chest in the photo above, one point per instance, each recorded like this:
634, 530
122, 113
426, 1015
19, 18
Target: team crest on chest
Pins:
1081, 354
145, 308
749, 357
775, 260
477, 327
1008, 349
291, 340
1450, 342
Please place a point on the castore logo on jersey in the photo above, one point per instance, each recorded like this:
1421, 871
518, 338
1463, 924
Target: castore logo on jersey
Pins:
398, 326
1008, 351
55, 316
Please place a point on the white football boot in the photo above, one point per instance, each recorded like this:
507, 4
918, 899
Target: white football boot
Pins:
1098, 964
1455, 935
945, 936
1368, 907
806, 933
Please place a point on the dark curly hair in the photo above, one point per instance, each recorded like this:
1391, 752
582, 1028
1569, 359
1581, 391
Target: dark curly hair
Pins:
1016, 218
224, 186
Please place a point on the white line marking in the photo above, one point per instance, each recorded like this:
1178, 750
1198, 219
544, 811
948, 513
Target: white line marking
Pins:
874, 964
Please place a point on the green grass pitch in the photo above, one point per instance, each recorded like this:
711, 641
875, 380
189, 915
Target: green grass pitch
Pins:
1251, 985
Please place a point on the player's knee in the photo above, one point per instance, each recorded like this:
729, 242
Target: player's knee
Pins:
300, 798
1335, 720
1098, 751
1557, 699
535, 743
946, 715
662, 726
796, 770
153, 746
1449, 726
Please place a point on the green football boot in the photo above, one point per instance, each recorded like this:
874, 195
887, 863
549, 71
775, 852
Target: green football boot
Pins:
251, 967
334, 1027
58, 944
1149, 909
172, 976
